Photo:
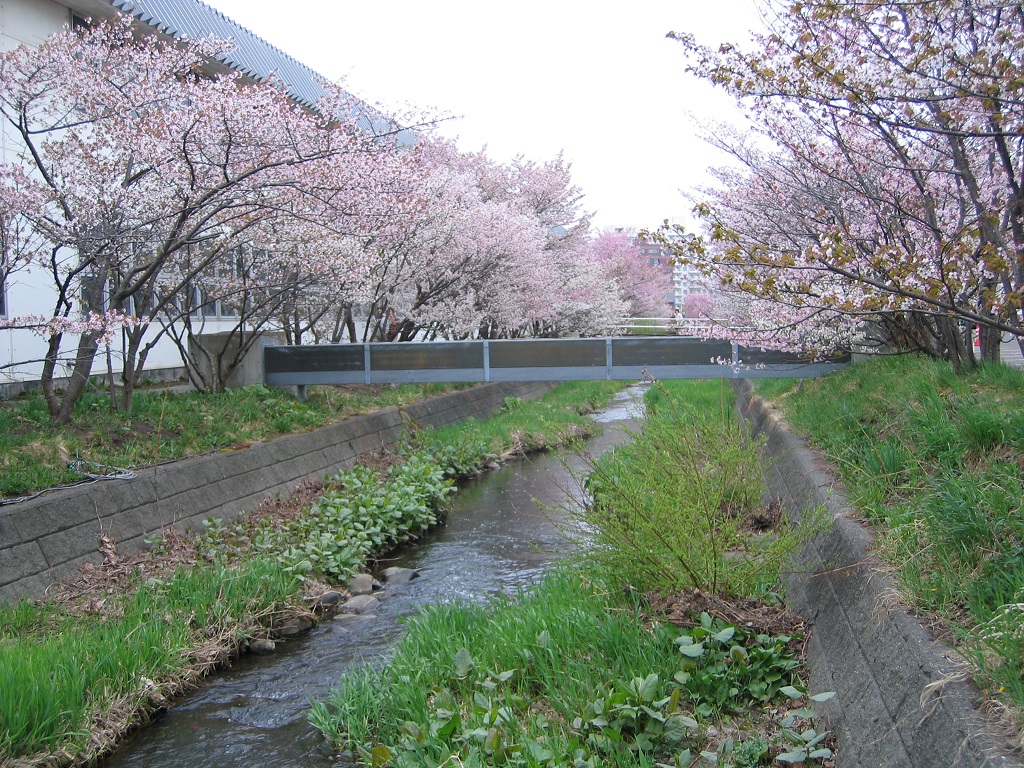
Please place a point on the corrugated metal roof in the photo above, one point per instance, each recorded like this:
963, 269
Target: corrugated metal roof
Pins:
253, 55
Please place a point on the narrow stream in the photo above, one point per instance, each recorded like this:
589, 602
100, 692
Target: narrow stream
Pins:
496, 538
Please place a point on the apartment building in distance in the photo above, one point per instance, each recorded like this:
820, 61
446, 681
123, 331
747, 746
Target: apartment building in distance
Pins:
686, 279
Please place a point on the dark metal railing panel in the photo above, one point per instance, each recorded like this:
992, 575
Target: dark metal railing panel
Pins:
425, 355
314, 358
668, 351
547, 353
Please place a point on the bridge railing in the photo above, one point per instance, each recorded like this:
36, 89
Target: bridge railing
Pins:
629, 358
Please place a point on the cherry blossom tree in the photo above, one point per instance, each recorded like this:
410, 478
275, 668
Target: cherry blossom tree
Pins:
146, 176
894, 192
699, 305
644, 287
487, 255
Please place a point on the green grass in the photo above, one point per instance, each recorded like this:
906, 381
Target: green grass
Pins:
937, 460
681, 505
163, 425
566, 675
711, 397
647, 327
59, 670
773, 388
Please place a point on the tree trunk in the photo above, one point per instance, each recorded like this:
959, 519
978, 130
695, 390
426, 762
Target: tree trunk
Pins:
110, 380
48, 372
87, 347
350, 323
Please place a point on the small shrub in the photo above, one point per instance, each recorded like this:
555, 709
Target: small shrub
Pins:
345, 527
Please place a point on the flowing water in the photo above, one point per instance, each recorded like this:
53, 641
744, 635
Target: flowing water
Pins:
499, 535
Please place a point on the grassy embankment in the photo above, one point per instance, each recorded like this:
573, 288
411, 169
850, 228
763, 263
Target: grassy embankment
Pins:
584, 670
164, 425
75, 674
937, 461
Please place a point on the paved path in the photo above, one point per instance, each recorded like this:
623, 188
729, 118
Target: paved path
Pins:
1010, 354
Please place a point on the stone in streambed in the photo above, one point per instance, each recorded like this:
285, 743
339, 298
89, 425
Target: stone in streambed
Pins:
362, 584
360, 604
396, 575
352, 622
328, 601
295, 626
262, 646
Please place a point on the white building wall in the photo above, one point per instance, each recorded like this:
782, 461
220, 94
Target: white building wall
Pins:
30, 292
29, 21
26, 22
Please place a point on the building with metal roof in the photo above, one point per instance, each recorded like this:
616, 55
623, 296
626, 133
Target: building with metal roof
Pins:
252, 56
29, 22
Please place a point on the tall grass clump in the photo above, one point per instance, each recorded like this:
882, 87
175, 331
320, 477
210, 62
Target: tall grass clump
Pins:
61, 672
937, 459
682, 504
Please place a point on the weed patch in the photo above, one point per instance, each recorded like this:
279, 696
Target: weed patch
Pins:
681, 505
362, 515
566, 675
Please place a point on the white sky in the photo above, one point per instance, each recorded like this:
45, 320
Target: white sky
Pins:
597, 81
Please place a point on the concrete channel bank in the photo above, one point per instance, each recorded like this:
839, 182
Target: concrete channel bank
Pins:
49, 538
902, 697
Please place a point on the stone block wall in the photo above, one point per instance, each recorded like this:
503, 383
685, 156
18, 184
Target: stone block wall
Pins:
48, 538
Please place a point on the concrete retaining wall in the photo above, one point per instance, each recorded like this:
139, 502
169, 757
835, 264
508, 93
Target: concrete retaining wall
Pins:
48, 538
892, 708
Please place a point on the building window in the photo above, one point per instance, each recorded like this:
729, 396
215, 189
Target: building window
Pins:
200, 305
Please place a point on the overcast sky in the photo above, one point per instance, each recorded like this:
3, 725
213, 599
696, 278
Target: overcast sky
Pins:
602, 85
